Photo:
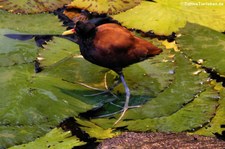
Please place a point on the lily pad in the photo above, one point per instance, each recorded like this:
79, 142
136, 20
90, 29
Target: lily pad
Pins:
33, 23
204, 44
56, 139
161, 113
32, 6
95, 131
14, 52
104, 6
164, 17
56, 50
182, 90
190, 117
35, 102
215, 125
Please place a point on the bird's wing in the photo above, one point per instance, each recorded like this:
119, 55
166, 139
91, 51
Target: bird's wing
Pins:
113, 38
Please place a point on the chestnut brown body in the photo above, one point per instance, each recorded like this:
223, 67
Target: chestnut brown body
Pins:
115, 47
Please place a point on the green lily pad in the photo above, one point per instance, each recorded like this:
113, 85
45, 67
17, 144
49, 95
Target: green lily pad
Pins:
215, 125
182, 90
57, 50
14, 52
105, 6
35, 102
56, 139
32, 23
204, 44
95, 131
165, 17
192, 116
32, 6
11, 135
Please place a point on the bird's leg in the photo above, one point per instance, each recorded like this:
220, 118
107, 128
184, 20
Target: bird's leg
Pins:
127, 91
126, 104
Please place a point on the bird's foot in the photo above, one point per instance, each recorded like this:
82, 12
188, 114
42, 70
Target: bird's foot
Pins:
102, 91
125, 108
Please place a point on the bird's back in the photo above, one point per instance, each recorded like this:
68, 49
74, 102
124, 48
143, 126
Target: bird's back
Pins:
112, 37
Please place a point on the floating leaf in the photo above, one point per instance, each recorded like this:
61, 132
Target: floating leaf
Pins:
34, 103
55, 139
96, 131
164, 17
202, 43
57, 50
104, 6
14, 52
215, 125
33, 23
178, 108
194, 115
32, 6
181, 91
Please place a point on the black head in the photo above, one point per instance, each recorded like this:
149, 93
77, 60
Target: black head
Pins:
85, 29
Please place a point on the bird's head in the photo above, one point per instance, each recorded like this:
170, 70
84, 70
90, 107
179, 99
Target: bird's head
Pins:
82, 29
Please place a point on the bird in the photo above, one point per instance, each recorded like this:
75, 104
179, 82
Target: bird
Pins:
112, 46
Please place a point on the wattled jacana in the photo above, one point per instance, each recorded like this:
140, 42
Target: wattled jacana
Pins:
112, 46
